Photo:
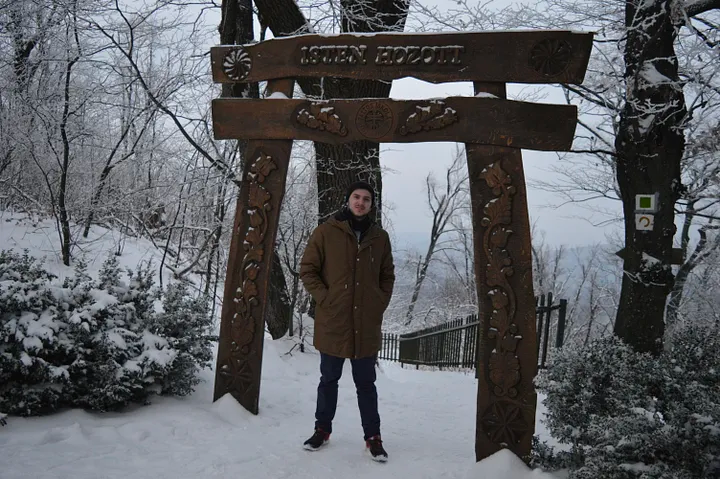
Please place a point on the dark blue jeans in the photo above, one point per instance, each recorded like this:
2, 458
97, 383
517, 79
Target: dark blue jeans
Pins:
363, 371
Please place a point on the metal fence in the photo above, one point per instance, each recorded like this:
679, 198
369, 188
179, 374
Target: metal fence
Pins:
454, 344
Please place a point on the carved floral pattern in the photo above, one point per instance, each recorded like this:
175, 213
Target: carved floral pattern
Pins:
496, 220
433, 115
551, 56
319, 116
504, 423
238, 367
503, 419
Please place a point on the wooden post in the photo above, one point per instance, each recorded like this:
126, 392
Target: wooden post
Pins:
507, 355
561, 324
242, 327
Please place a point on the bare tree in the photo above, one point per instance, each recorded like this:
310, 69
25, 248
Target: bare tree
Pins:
650, 82
445, 201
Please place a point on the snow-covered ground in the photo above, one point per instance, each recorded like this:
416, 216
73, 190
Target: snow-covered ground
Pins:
428, 419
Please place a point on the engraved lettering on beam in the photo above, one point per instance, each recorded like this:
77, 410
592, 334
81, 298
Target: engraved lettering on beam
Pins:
333, 54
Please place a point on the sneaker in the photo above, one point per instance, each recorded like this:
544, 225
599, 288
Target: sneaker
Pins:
317, 440
375, 448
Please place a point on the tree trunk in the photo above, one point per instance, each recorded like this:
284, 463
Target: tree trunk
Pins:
419, 280
650, 144
63, 217
279, 312
339, 166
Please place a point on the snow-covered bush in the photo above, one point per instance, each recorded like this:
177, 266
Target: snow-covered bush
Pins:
628, 415
94, 344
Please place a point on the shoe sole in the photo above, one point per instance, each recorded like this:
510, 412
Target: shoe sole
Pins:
308, 447
375, 458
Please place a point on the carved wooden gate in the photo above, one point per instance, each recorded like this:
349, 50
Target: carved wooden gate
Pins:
494, 131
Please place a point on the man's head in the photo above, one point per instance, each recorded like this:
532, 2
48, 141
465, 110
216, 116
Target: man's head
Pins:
360, 198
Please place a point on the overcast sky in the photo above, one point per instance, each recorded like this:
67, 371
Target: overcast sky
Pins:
408, 164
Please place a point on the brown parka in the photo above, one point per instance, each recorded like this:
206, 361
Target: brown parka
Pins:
351, 283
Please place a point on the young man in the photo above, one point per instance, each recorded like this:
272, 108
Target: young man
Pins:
348, 269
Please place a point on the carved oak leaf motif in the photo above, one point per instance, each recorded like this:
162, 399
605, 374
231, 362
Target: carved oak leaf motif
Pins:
255, 255
242, 336
257, 196
499, 237
429, 116
499, 210
255, 219
504, 373
252, 270
495, 277
254, 237
499, 267
263, 166
499, 320
498, 298
504, 423
322, 117
250, 291
495, 177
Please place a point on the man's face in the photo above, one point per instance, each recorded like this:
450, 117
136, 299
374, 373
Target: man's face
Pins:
360, 202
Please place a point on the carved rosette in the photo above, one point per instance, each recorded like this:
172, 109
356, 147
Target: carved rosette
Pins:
320, 116
503, 419
237, 64
551, 56
237, 370
433, 115
504, 423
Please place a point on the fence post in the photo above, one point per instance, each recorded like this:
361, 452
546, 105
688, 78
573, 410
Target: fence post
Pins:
539, 322
548, 320
561, 324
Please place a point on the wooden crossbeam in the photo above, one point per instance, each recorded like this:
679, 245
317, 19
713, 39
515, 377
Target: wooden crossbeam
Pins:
517, 57
489, 121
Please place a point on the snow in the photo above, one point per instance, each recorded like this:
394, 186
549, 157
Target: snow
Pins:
40, 238
334, 36
428, 416
277, 95
650, 260
428, 429
651, 75
504, 465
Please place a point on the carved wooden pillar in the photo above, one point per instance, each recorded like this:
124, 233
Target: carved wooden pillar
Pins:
507, 354
239, 359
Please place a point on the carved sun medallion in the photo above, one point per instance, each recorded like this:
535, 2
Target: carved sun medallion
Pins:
551, 56
237, 64
374, 119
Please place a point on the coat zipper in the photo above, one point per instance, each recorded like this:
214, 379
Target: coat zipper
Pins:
357, 260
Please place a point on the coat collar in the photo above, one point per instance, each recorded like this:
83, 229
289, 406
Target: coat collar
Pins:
372, 232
